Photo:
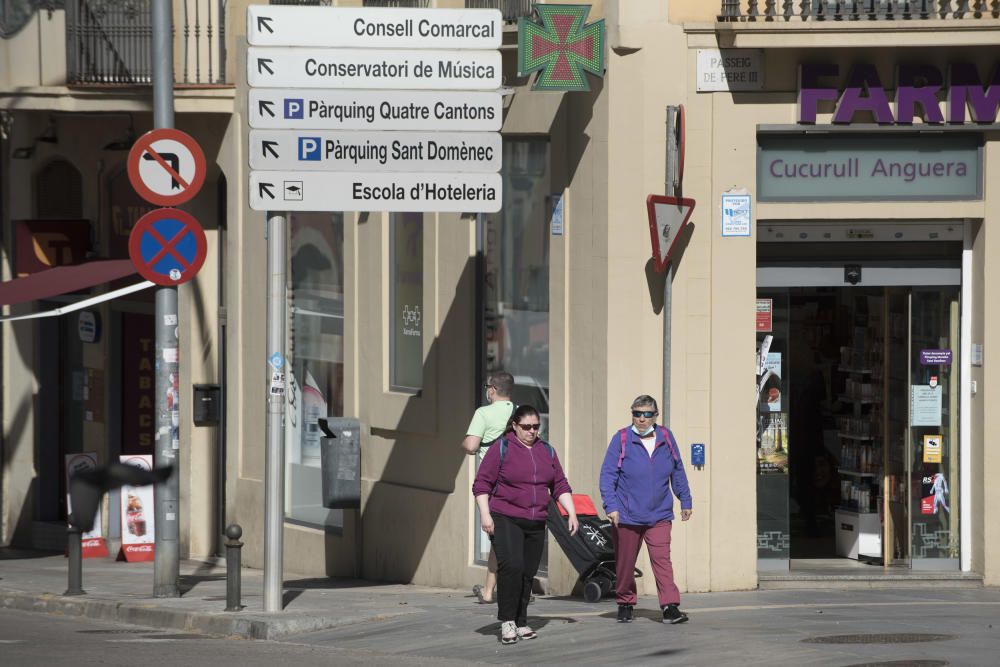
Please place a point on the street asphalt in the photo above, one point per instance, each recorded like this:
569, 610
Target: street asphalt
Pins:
341, 622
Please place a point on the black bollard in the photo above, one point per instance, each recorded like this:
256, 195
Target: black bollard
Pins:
75, 552
234, 561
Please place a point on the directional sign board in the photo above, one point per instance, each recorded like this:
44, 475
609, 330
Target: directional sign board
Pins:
342, 191
295, 108
317, 150
167, 246
374, 27
373, 68
667, 219
166, 167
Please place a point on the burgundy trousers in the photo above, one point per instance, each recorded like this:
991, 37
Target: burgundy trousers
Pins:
627, 541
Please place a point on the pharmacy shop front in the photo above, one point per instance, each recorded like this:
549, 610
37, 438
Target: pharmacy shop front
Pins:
864, 345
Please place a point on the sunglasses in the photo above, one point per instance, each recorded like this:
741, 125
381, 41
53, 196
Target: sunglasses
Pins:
644, 413
529, 427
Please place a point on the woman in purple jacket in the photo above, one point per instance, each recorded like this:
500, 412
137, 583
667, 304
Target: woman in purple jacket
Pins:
515, 480
642, 471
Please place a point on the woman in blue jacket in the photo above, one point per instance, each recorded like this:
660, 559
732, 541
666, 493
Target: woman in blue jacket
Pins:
642, 471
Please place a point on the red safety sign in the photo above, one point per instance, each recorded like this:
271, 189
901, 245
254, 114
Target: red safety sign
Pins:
167, 246
166, 167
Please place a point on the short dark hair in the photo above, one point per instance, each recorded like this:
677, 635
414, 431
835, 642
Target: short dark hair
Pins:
644, 399
502, 383
519, 413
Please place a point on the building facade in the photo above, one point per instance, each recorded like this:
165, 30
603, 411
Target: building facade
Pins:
863, 278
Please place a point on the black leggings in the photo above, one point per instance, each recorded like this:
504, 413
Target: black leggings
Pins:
518, 544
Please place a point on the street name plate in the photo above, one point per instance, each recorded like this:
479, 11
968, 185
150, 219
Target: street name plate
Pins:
375, 109
373, 69
374, 27
314, 150
342, 191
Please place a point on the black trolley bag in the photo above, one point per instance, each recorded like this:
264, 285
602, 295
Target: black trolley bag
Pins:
591, 551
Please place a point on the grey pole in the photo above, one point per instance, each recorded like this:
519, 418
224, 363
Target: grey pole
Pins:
670, 190
274, 474
166, 554
74, 550
234, 563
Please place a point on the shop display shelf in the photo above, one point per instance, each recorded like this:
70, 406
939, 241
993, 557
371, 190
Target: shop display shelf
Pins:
858, 371
848, 436
855, 473
859, 401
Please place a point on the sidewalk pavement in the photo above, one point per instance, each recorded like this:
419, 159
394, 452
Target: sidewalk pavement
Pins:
938, 625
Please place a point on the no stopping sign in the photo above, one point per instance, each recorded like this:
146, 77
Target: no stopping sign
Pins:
167, 246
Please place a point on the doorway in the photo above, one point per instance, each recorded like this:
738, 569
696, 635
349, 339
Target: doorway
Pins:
858, 415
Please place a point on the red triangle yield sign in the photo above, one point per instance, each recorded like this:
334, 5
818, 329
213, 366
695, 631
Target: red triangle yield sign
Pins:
667, 218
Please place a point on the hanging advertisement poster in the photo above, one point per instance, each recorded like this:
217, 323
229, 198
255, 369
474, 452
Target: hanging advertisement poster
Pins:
137, 514
932, 448
765, 315
92, 542
934, 494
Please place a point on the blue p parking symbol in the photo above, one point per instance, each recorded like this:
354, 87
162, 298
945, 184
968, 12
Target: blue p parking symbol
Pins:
293, 107
309, 149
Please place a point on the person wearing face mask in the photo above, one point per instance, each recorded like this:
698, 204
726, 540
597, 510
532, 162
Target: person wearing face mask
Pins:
517, 477
641, 473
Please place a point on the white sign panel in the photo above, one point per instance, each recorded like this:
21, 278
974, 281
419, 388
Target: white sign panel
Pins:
78, 463
374, 27
375, 151
477, 111
736, 216
925, 405
730, 70
341, 191
373, 69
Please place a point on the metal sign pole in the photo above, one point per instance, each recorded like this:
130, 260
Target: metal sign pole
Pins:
670, 191
274, 491
166, 552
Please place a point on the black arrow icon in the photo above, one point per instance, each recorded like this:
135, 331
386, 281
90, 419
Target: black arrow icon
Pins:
264, 105
265, 188
263, 64
264, 22
268, 146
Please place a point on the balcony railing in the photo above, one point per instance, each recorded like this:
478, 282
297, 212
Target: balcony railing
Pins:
857, 10
109, 42
512, 10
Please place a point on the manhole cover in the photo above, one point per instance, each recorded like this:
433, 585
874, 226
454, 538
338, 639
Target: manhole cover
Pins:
898, 638
903, 663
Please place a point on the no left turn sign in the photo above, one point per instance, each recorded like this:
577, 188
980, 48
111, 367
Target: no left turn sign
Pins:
166, 167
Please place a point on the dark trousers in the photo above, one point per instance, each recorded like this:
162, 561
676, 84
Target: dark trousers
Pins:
518, 544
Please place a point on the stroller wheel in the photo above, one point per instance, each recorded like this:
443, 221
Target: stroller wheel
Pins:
592, 591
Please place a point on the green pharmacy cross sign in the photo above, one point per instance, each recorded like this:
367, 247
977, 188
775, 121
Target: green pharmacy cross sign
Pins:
562, 46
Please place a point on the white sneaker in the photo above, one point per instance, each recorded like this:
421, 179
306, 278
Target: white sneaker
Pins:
524, 632
508, 632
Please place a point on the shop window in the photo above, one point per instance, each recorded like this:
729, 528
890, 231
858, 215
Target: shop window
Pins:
406, 269
315, 378
514, 292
